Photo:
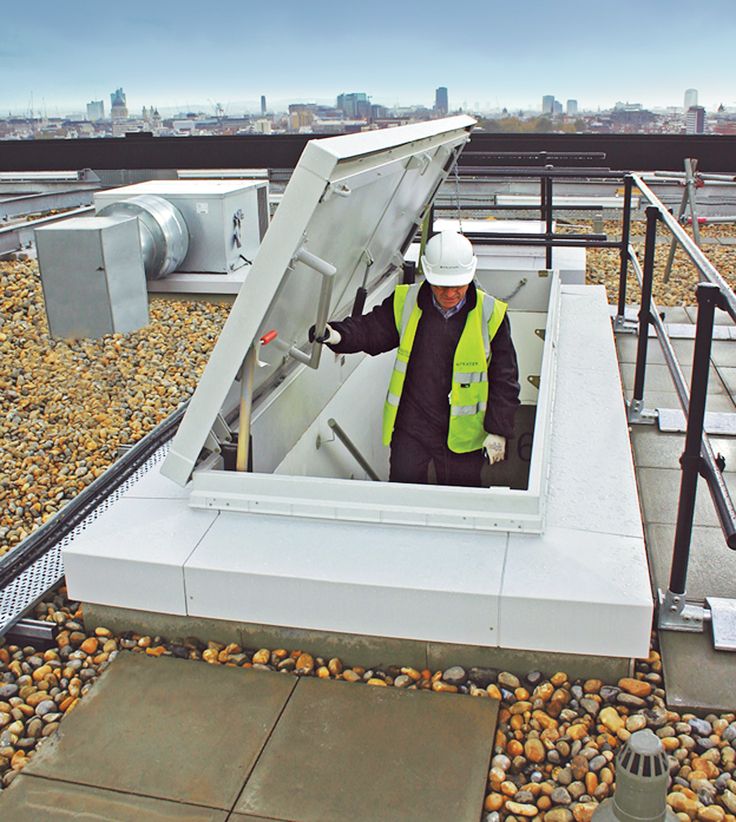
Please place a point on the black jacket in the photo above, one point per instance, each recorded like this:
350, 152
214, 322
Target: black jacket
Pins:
424, 405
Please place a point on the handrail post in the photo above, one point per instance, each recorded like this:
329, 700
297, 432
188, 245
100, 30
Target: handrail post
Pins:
624, 267
637, 403
690, 460
675, 613
548, 222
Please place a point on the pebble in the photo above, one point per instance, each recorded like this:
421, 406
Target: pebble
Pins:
701, 727
304, 664
519, 809
590, 706
728, 797
455, 675
611, 719
560, 796
583, 811
534, 750
635, 687
508, 681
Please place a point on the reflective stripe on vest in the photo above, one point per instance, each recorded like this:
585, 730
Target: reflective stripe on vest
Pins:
469, 391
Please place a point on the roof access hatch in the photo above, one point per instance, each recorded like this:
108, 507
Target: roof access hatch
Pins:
352, 203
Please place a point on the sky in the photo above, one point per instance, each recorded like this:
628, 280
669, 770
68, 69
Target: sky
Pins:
55, 57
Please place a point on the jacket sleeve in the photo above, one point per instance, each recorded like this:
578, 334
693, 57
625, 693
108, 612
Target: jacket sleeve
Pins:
373, 333
503, 383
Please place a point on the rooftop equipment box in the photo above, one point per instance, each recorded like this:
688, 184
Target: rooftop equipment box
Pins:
93, 278
226, 218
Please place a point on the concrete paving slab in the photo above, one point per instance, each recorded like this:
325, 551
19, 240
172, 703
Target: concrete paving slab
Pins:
343, 751
723, 353
728, 376
657, 378
721, 317
659, 490
712, 687
708, 569
169, 729
654, 449
33, 799
626, 346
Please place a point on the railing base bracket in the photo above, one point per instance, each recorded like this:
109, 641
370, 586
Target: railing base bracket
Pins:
622, 325
676, 614
637, 414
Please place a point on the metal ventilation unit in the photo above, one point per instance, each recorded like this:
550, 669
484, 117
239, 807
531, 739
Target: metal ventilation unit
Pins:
642, 777
164, 235
226, 219
176, 236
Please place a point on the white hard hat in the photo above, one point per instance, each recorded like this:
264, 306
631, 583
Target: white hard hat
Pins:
448, 259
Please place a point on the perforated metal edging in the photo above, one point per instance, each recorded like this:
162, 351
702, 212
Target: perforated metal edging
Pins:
31, 585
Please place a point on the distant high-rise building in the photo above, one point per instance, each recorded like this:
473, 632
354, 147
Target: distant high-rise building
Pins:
441, 103
572, 108
118, 105
263, 105
695, 120
349, 103
548, 103
691, 98
556, 107
95, 110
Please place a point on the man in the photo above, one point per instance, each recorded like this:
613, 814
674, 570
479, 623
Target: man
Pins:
454, 389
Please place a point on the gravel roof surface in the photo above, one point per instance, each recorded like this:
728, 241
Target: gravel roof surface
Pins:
66, 407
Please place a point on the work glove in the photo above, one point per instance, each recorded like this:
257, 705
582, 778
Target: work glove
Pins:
331, 337
494, 447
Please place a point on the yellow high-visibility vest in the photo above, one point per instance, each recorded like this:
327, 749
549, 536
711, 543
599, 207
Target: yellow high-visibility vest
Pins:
469, 393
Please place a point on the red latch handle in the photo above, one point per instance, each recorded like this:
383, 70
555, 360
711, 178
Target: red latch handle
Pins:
269, 336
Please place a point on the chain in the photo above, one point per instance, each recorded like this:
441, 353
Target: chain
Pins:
457, 199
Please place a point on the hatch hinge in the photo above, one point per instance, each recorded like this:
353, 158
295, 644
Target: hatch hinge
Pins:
420, 161
219, 433
534, 380
335, 190
540, 333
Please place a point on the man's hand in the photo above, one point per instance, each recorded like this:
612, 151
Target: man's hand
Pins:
331, 337
495, 448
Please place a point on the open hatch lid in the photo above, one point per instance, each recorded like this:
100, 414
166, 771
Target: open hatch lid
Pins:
353, 202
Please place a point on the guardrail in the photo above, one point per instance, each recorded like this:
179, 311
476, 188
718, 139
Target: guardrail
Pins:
698, 458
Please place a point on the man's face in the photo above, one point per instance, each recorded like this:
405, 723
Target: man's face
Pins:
448, 296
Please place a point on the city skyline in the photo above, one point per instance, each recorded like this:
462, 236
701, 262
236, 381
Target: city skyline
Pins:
170, 56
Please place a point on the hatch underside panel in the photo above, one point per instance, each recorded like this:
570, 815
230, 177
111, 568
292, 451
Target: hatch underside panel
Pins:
354, 202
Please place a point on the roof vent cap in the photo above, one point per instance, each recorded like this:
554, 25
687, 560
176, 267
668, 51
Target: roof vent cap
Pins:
642, 779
